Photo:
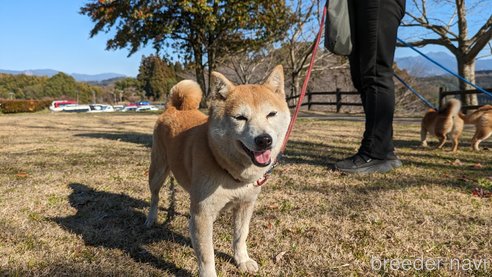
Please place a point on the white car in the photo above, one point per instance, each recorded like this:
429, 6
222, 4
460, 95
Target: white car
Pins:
118, 108
129, 109
147, 108
101, 108
75, 108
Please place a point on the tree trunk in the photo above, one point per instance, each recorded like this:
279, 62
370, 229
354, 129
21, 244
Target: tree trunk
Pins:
296, 85
293, 86
211, 67
467, 70
200, 72
200, 76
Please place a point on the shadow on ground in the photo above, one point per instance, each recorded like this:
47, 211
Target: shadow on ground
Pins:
111, 220
137, 138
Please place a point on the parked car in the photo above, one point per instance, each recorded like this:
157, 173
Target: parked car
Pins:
118, 108
58, 105
75, 108
146, 108
101, 108
143, 103
160, 106
130, 108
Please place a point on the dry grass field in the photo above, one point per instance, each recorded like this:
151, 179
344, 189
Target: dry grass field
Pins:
73, 200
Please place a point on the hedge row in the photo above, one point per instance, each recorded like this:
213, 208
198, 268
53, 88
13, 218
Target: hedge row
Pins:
23, 106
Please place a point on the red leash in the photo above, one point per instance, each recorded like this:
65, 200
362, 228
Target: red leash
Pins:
305, 84
262, 180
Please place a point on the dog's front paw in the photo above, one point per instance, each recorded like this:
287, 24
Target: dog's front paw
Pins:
249, 266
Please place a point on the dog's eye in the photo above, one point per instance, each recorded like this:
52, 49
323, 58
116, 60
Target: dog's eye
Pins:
272, 114
240, 118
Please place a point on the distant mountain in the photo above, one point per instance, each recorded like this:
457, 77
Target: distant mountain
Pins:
484, 78
31, 72
77, 76
96, 77
105, 82
421, 67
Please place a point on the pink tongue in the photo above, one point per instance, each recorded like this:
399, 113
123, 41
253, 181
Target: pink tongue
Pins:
262, 157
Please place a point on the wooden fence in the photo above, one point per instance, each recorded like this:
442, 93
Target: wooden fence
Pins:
462, 93
338, 99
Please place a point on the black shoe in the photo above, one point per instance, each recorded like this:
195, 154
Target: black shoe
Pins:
362, 164
393, 160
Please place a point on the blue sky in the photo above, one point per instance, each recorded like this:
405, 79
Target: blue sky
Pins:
39, 34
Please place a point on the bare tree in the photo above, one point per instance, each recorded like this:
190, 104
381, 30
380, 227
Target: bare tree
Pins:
294, 51
298, 44
250, 66
445, 23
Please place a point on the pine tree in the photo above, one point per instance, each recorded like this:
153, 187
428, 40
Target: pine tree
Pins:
156, 77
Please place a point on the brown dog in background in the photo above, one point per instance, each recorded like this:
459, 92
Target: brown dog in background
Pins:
482, 119
443, 123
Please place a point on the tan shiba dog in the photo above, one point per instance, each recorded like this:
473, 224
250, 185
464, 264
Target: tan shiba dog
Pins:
482, 119
443, 123
218, 159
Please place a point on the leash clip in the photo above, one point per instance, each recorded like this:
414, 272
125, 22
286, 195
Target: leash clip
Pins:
276, 163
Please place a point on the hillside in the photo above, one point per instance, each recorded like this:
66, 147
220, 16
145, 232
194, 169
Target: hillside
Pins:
60, 86
77, 76
421, 67
483, 79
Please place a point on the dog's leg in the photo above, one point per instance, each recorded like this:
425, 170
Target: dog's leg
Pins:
423, 136
442, 140
455, 136
478, 138
242, 217
487, 135
456, 133
201, 230
455, 143
158, 172
475, 143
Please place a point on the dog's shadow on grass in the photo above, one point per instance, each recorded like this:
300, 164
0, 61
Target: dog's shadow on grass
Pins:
114, 221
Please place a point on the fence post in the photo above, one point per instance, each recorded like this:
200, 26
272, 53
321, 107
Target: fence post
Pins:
441, 97
309, 99
339, 100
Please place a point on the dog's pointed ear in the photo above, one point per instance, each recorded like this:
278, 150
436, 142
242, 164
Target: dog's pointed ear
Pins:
275, 81
220, 86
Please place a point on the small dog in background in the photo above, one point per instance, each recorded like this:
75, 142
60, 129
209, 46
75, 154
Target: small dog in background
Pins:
482, 119
443, 123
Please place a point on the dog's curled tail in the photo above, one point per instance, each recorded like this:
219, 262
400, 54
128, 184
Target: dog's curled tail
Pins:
185, 95
452, 107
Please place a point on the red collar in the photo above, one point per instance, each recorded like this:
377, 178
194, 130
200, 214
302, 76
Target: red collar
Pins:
258, 183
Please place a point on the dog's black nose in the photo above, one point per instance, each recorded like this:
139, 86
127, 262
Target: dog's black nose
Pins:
263, 141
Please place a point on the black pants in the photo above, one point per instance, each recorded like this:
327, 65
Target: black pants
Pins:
374, 25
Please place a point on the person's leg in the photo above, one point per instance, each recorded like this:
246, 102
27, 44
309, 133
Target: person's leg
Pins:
374, 27
376, 30
354, 58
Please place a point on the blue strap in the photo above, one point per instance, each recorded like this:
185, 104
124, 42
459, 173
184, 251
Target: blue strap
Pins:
415, 92
449, 71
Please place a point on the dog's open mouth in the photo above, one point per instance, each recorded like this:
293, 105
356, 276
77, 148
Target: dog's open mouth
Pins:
259, 158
